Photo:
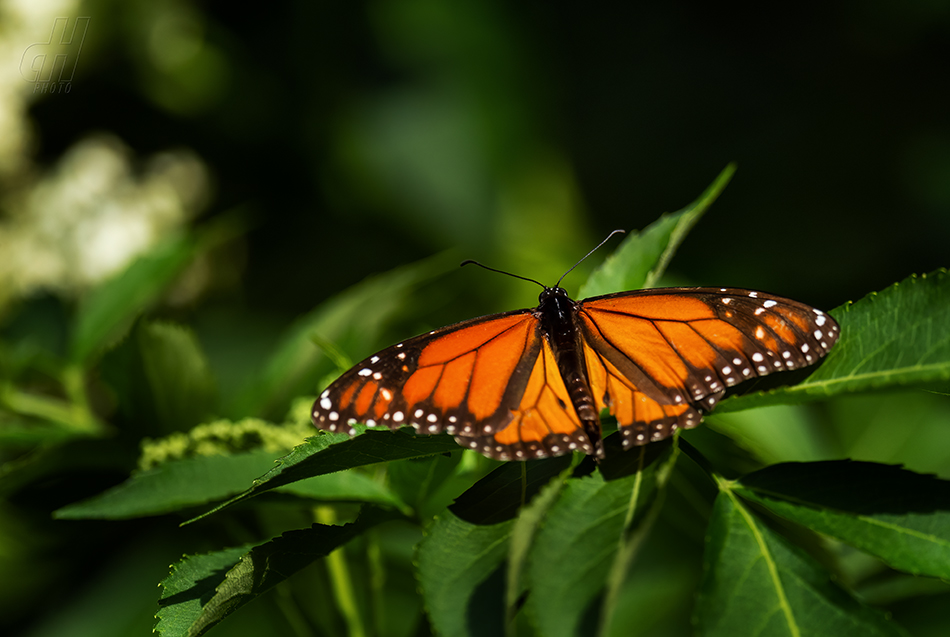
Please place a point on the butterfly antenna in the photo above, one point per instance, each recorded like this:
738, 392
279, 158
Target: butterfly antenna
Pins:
523, 278
588, 254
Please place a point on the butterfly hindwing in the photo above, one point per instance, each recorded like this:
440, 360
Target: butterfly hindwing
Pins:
544, 423
659, 358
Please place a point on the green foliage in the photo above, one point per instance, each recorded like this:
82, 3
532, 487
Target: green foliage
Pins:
758, 583
107, 314
642, 258
896, 515
353, 317
256, 571
363, 535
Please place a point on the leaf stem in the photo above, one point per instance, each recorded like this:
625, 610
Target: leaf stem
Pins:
340, 579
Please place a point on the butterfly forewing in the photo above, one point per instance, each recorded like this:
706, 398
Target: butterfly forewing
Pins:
465, 379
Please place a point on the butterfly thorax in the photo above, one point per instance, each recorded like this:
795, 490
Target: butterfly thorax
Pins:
557, 313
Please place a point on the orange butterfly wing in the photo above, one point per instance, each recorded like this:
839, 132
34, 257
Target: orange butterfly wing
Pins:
657, 359
543, 423
493, 382
467, 379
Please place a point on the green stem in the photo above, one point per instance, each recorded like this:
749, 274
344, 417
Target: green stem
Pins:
341, 581
74, 415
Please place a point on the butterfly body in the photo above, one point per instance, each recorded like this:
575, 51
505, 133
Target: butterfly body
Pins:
557, 314
532, 383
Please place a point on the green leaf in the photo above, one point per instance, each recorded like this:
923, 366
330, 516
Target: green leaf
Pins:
898, 337
455, 561
755, 583
523, 534
417, 480
350, 320
187, 608
192, 580
329, 453
181, 383
344, 486
190, 482
642, 515
173, 486
107, 313
501, 494
461, 556
575, 549
643, 256
900, 516
774, 434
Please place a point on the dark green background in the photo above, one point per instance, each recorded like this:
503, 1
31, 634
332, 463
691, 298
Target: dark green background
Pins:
365, 135
353, 137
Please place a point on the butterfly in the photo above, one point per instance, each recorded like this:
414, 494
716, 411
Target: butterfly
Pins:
532, 383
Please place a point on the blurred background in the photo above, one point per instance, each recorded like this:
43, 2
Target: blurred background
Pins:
340, 139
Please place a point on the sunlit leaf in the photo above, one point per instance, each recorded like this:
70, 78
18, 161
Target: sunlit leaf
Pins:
755, 583
643, 256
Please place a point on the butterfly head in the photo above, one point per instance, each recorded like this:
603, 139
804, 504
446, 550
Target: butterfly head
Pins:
550, 293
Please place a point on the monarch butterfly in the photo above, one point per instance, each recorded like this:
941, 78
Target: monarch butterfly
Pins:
531, 383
